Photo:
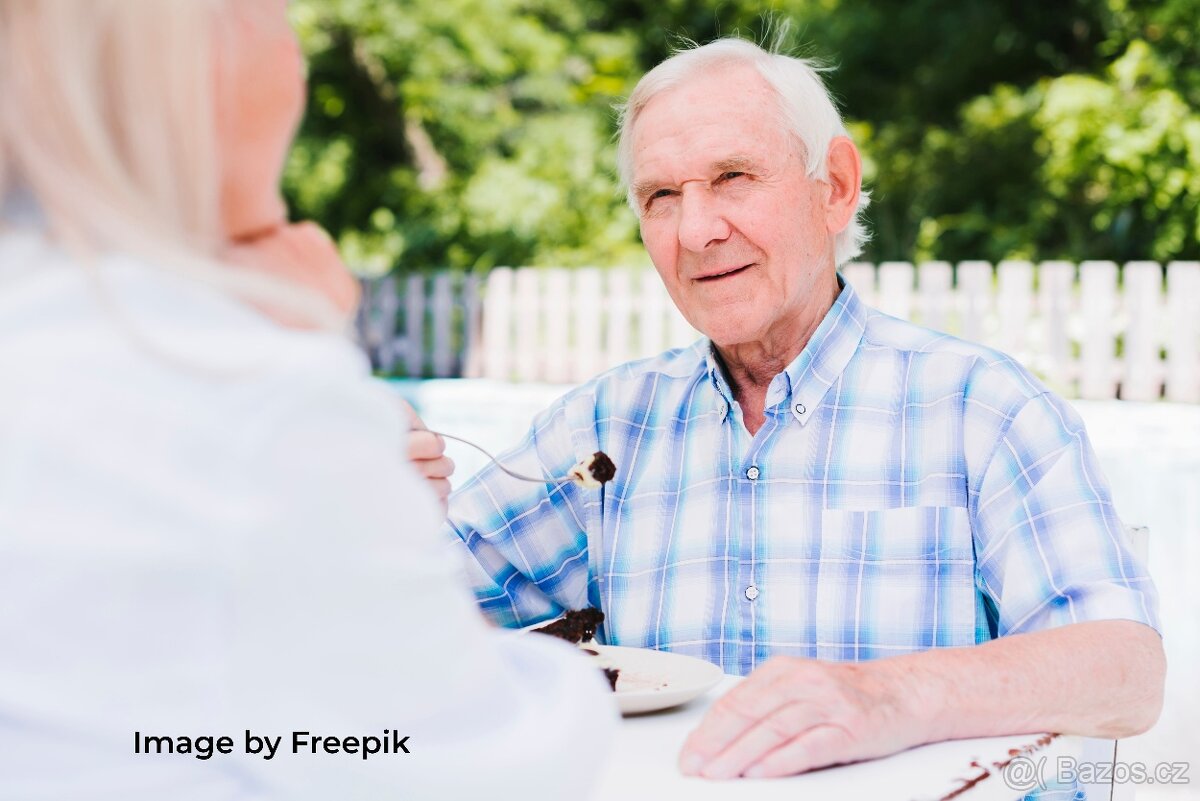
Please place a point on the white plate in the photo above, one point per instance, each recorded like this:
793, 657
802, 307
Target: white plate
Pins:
650, 680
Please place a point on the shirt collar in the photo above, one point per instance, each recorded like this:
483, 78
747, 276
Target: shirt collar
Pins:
803, 383
723, 400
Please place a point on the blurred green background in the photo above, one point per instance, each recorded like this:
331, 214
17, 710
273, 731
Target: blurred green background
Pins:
476, 133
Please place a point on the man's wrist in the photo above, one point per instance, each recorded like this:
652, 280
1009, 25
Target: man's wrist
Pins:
923, 697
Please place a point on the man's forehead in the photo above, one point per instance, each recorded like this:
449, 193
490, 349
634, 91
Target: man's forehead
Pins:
704, 150
710, 120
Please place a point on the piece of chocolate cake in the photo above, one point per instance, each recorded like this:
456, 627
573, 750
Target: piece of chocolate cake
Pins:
594, 471
575, 626
579, 626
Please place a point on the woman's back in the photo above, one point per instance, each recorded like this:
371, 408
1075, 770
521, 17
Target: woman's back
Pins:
207, 528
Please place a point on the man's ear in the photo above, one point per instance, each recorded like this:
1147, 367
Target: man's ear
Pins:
845, 183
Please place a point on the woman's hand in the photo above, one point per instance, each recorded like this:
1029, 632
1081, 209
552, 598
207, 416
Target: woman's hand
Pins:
427, 451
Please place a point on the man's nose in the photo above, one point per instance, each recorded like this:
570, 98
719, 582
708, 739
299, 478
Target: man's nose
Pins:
701, 219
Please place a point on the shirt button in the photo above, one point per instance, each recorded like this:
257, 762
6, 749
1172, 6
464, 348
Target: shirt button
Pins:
800, 408
752, 473
751, 592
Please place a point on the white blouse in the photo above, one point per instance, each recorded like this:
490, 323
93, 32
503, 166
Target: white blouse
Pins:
208, 527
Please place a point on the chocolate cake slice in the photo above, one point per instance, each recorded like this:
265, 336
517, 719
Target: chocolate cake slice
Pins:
578, 626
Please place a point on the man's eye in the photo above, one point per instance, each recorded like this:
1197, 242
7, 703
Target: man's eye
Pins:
729, 176
655, 195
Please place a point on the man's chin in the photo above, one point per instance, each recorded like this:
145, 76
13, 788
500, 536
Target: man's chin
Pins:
726, 339
728, 327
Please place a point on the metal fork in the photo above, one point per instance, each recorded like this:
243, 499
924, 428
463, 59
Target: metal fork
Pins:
497, 462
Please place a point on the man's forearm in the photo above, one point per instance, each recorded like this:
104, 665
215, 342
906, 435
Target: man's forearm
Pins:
1098, 679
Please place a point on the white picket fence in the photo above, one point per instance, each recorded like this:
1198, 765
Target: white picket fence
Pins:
1092, 330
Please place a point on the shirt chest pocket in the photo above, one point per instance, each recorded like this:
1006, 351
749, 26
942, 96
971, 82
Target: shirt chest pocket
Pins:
894, 581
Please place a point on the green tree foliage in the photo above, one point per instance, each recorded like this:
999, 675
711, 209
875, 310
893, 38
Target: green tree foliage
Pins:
463, 133
471, 133
1087, 149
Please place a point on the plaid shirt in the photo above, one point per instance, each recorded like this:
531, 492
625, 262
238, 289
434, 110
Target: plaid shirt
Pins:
907, 491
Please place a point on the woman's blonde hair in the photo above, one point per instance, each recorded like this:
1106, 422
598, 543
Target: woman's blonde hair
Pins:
108, 118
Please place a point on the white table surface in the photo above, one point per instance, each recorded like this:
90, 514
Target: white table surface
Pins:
642, 764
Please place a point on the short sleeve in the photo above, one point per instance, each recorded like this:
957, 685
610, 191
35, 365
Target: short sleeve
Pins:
1050, 548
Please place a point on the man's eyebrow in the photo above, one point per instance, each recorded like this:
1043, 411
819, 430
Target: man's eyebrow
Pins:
643, 188
734, 164
731, 164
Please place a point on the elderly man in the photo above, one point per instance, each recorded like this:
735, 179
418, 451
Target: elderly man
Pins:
816, 486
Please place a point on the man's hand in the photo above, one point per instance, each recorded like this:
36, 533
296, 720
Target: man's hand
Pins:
1102, 678
427, 451
792, 715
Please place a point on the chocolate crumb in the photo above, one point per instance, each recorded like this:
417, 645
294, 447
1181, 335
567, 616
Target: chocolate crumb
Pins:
967, 784
1013, 753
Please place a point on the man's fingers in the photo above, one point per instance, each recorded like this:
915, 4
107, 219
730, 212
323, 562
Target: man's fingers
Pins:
722, 724
822, 745
770, 733
729, 718
790, 716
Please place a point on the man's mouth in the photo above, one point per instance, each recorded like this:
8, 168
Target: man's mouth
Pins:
726, 273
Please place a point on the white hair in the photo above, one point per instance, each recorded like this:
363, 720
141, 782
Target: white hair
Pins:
108, 120
805, 110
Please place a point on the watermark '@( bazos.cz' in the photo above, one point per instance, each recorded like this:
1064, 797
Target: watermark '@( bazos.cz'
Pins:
1026, 774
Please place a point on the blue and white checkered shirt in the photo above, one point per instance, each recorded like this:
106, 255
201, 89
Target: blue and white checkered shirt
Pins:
907, 491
